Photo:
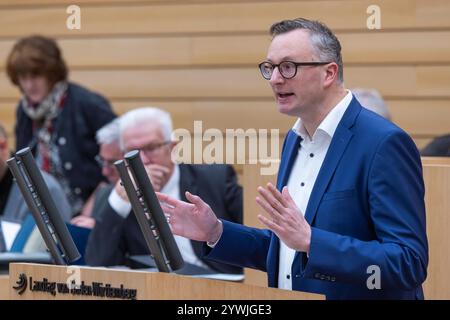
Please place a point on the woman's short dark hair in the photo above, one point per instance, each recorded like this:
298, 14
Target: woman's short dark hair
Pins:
36, 55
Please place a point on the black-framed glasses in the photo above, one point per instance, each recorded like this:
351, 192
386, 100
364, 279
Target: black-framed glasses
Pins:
287, 69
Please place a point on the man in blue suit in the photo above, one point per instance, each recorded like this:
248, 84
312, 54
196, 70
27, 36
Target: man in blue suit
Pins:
347, 217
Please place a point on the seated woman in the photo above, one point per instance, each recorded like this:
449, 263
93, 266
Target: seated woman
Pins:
56, 118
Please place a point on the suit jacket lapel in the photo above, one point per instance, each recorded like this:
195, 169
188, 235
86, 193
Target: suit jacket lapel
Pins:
289, 155
341, 138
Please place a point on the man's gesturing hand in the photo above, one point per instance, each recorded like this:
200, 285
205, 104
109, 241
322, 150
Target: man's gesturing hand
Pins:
194, 220
286, 220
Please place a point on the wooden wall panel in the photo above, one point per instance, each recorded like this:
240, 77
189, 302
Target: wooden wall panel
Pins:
211, 17
395, 81
178, 53
121, 52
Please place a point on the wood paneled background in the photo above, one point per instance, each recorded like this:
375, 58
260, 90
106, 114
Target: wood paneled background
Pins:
198, 58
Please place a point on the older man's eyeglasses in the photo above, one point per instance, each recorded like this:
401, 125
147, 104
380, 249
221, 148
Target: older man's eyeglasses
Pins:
287, 69
153, 148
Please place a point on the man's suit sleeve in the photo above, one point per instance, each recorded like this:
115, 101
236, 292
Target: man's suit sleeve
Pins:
104, 247
241, 246
397, 212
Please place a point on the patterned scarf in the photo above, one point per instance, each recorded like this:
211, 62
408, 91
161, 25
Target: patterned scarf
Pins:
42, 116
47, 154
49, 107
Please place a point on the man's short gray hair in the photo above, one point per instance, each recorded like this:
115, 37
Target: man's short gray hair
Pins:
371, 99
109, 133
324, 41
145, 115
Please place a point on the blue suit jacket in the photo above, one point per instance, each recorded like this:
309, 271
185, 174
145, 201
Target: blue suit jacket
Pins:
366, 209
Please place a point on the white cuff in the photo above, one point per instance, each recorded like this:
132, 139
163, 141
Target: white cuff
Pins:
213, 244
120, 206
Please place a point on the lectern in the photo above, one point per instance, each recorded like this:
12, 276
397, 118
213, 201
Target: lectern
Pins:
38, 281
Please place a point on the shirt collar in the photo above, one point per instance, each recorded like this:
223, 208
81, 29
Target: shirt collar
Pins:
331, 121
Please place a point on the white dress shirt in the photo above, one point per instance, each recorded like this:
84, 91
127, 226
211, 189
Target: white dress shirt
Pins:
304, 173
172, 189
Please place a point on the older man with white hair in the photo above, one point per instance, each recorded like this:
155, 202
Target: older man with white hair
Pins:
116, 234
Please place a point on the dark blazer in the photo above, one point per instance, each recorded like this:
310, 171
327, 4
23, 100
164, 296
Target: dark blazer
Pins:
114, 238
101, 200
83, 113
366, 210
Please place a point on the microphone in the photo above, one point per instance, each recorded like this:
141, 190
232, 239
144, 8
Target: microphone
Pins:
148, 212
37, 196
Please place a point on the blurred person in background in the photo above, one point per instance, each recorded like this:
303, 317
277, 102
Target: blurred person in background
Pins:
57, 118
110, 152
371, 99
